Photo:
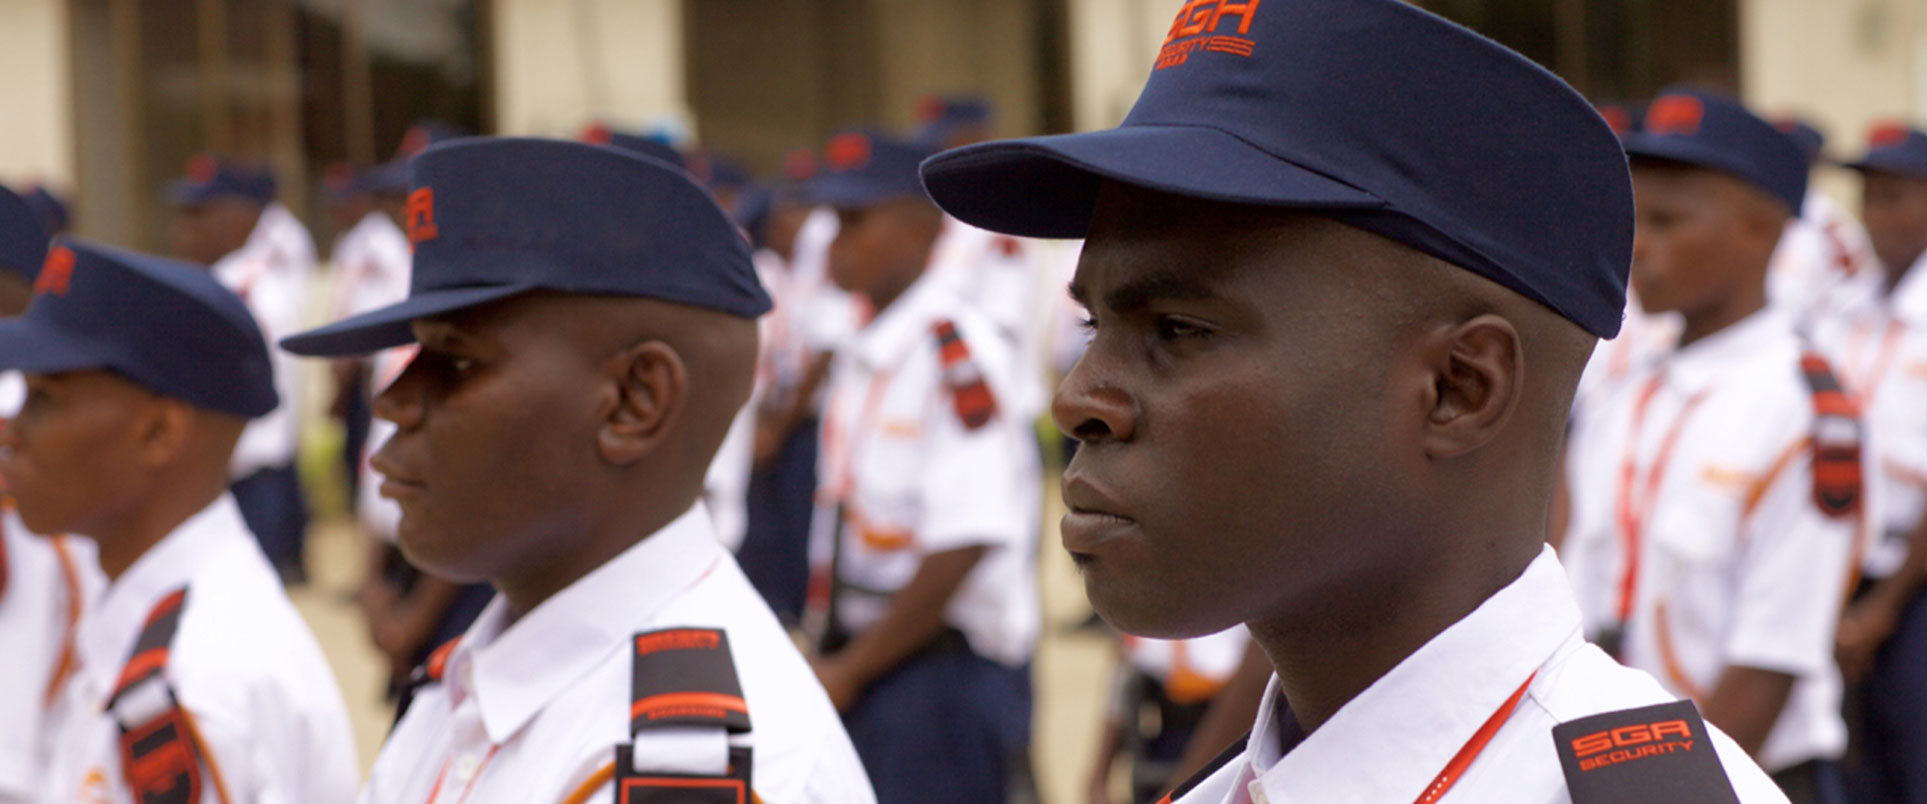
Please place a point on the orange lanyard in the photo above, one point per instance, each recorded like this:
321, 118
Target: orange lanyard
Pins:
1472, 748
1633, 515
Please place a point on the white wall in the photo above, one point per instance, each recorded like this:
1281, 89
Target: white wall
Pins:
561, 63
1844, 64
1113, 43
36, 143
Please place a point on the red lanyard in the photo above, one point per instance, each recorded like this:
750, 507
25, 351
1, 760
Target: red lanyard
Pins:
436, 792
1456, 767
1633, 515
850, 435
1473, 747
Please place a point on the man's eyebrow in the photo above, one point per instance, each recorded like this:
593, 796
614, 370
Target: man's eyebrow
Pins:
1139, 292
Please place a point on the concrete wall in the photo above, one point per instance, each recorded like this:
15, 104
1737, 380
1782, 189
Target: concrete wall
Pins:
561, 63
1112, 45
36, 143
1843, 63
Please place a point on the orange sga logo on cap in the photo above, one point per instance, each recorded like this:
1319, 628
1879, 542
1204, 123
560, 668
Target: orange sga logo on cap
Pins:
57, 273
847, 152
1675, 114
1886, 134
421, 217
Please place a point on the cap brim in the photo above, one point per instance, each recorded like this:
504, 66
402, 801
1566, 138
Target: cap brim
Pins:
36, 349
1893, 166
388, 327
1047, 186
843, 191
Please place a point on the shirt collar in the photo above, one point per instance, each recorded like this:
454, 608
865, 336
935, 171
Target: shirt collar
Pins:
515, 669
107, 632
1389, 742
1702, 361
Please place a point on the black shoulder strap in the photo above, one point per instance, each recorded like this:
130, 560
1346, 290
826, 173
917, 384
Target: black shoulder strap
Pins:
970, 394
159, 756
1837, 472
684, 677
1231, 752
1653, 755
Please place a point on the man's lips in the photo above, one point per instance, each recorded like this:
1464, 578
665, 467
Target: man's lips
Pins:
396, 484
1093, 518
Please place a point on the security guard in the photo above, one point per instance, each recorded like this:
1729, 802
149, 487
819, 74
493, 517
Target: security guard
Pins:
1341, 299
586, 325
1883, 358
44, 582
923, 578
228, 219
1716, 500
195, 679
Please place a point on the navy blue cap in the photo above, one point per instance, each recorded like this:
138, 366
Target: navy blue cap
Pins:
1370, 112
1894, 148
164, 324
865, 167
208, 177
1710, 130
49, 207
1621, 118
342, 180
599, 134
1811, 141
493, 217
424, 133
940, 115
23, 238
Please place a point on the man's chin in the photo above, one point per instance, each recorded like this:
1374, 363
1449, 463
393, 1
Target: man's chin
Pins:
1143, 615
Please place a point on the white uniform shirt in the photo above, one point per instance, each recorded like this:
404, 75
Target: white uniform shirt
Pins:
1190, 670
1884, 363
243, 665
1908, 301
1388, 744
528, 711
1736, 565
272, 272
1001, 276
1824, 264
912, 480
43, 591
372, 262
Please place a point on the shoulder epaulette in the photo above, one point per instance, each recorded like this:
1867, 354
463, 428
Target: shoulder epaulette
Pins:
684, 677
1838, 477
1231, 752
161, 757
969, 392
1659, 754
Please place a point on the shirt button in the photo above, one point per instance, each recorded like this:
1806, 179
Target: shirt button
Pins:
465, 768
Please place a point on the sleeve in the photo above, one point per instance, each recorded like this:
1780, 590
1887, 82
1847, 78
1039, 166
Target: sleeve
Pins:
1790, 574
974, 480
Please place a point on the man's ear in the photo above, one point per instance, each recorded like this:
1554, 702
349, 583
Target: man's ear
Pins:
164, 427
650, 385
1478, 377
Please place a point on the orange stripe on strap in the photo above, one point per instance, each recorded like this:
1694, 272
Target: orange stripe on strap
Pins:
149, 661
688, 700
